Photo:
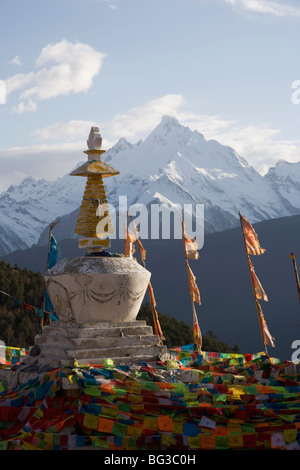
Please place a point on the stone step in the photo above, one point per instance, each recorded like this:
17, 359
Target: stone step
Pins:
102, 329
63, 342
106, 353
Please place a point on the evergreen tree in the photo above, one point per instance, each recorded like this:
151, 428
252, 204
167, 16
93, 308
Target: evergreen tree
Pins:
19, 326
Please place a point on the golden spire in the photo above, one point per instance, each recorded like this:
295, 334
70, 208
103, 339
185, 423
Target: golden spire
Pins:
94, 207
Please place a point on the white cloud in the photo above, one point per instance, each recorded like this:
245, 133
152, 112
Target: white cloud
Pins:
139, 121
113, 6
16, 61
71, 131
40, 162
265, 6
75, 67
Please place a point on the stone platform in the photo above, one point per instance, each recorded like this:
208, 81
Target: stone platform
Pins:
124, 342
62, 344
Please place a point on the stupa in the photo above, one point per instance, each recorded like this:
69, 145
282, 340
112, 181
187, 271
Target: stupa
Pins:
97, 296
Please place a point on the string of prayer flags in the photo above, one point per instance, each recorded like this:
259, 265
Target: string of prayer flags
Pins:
235, 403
157, 327
251, 239
253, 247
25, 306
216, 401
292, 256
190, 250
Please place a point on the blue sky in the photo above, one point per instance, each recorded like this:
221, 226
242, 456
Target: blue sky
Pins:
223, 67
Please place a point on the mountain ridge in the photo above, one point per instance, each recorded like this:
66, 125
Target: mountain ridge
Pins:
173, 165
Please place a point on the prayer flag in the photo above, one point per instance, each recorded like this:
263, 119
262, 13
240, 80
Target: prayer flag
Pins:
196, 332
195, 294
190, 245
259, 291
251, 240
52, 258
52, 252
157, 327
129, 240
151, 295
266, 335
141, 248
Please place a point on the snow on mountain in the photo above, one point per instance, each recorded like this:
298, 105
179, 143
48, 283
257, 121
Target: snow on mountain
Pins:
285, 180
180, 165
26, 209
173, 165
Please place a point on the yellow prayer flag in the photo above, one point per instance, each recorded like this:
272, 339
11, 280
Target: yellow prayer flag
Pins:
177, 427
290, 435
133, 430
90, 421
194, 441
150, 423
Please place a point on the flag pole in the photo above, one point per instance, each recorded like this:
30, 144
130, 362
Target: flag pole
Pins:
258, 309
190, 282
156, 322
296, 274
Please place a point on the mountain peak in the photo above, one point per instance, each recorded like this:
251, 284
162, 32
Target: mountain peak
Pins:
169, 121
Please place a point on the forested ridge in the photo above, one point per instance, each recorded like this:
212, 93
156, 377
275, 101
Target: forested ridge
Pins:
19, 326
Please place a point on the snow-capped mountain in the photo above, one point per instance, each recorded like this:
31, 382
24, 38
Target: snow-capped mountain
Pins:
173, 165
25, 210
285, 179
